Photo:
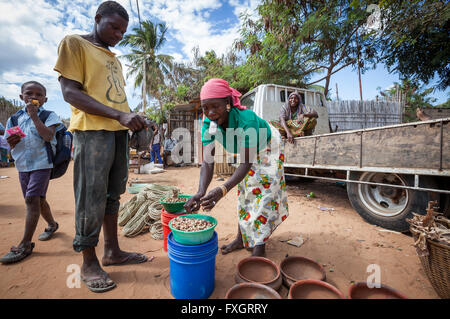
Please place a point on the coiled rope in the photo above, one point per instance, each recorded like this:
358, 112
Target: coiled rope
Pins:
143, 211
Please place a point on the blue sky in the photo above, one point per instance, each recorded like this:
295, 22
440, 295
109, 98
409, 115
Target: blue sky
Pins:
32, 30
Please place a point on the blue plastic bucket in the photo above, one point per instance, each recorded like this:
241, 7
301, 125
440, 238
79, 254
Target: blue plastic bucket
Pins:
192, 268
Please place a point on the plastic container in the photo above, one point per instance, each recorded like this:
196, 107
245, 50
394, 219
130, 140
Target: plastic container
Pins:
195, 237
165, 220
174, 207
192, 268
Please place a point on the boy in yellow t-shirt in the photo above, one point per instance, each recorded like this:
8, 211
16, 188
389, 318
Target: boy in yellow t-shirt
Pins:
92, 83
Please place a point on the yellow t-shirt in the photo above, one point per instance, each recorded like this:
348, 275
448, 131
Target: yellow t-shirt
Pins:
100, 73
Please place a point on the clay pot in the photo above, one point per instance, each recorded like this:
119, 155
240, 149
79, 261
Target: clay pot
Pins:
295, 268
259, 270
360, 290
314, 289
251, 290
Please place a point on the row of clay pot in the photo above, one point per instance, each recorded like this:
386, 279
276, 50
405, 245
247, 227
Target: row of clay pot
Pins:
259, 277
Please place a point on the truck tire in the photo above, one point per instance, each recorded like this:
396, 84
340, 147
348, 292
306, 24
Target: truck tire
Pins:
389, 207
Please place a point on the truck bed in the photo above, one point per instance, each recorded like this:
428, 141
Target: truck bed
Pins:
412, 148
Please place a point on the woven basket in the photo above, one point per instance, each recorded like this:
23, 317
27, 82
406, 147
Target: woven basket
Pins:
437, 266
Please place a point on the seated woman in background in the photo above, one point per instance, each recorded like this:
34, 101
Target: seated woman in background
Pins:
296, 119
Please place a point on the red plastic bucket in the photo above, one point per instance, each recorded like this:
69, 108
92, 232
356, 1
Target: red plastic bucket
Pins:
165, 219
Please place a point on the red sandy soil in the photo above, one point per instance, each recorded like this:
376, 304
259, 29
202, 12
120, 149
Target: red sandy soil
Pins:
340, 240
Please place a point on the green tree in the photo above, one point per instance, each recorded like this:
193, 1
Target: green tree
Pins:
293, 40
7, 108
229, 67
414, 39
445, 105
151, 69
414, 95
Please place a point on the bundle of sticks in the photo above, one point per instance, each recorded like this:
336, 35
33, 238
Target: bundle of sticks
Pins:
433, 226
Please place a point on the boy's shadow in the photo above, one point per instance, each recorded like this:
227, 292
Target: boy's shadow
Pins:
63, 237
58, 237
11, 211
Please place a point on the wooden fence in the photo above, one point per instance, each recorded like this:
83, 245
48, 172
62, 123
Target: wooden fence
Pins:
355, 115
222, 159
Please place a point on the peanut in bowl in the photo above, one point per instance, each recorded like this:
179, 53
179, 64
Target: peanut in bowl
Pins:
195, 232
174, 205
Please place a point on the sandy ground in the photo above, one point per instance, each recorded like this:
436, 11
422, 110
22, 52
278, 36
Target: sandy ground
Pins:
340, 240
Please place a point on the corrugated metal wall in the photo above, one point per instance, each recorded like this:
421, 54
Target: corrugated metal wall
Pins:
355, 115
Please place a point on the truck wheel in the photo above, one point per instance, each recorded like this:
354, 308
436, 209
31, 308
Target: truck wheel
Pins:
388, 207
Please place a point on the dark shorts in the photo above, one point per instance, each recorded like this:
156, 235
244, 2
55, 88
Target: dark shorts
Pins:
100, 176
35, 183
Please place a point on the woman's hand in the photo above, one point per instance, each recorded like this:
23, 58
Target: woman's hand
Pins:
193, 204
311, 115
290, 138
301, 117
209, 201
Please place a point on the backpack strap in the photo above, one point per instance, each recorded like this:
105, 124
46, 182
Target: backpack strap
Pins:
43, 116
15, 117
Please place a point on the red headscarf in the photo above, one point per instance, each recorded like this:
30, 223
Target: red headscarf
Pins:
218, 88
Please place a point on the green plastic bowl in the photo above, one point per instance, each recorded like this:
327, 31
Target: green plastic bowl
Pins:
194, 237
174, 207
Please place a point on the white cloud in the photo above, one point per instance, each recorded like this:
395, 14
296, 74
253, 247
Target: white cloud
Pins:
32, 29
245, 6
31, 32
190, 24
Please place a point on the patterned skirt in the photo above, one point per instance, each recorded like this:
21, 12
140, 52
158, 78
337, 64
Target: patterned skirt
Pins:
262, 197
297, 127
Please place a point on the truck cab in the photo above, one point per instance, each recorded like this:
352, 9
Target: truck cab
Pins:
266, 101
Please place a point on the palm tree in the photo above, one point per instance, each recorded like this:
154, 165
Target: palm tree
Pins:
151, 70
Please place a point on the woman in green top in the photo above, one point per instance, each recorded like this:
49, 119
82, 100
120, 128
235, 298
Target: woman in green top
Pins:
262, 198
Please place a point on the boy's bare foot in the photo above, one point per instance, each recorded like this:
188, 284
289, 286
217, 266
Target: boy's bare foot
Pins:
95, 278
122, 258
234, 245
